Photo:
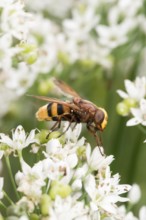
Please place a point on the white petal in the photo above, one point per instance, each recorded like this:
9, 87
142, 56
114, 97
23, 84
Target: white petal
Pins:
77, 185
53, 146
122, 94
136, 112
108, 207
31, 138
98, 161
81, 171
130, 88
88, 152
143, 105
140, 84
133, 122
19, 134
123, 188
90, 186
134, 194
72, 160
6, 140
142, 213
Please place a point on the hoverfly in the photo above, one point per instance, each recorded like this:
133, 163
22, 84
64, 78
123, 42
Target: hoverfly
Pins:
77, 110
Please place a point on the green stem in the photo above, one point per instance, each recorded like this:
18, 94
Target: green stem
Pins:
47, 186
8, 198
20, 158
2, 206
11, 175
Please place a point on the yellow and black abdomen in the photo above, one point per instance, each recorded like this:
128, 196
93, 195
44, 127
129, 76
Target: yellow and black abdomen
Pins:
53, 112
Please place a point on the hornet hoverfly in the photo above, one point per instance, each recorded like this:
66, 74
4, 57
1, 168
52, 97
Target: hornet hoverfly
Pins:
77, 110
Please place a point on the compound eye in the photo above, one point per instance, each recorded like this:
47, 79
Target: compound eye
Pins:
99, 116
100, 120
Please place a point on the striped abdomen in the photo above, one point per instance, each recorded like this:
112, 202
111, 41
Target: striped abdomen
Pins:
53, 112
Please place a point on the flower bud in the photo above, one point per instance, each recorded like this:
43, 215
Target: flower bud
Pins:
130, 102
41, 136
54, 135
45, 203
28, 52
122, 109
45, 86
63, 190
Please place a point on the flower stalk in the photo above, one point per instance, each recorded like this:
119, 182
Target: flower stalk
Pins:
7, 160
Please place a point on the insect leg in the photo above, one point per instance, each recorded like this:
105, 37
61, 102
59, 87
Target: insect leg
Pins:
73, 119
93, 130
100, 140
74, 125
54, 127
65, 129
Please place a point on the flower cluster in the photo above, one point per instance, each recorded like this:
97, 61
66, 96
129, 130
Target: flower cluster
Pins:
15, 54
86, 33
70, 181
134, 101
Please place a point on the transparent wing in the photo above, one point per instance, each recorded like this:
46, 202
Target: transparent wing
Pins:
47, 99
66, 89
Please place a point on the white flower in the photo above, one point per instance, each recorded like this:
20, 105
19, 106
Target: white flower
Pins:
135, 90
81, 24
139, 114
20, 79
31, 180
55, 170
1, 187
59, 153
19, 138
7, 52
105, 193
95, 160
67, 209
112, 36
56, 8
14, 20
134, 194
130, 216
29, 203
